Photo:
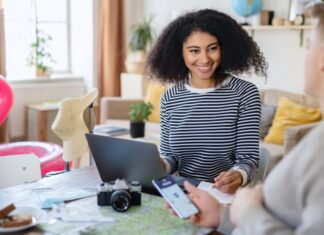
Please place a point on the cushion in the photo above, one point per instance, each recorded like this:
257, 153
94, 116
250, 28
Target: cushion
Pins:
267, 113
294, 134
290, 114
153, 94
276, 153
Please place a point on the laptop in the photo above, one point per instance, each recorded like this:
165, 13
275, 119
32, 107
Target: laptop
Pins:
128, 159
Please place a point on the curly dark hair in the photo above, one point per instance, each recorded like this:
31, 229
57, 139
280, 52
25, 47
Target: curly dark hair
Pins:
239, 52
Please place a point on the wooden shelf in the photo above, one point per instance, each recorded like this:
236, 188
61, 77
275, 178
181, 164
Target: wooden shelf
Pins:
279, 27
252, 29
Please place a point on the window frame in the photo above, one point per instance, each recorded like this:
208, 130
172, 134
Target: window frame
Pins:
33, 22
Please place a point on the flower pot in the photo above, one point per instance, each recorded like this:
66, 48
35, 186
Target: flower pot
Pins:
43, 73
137, 129
135, 62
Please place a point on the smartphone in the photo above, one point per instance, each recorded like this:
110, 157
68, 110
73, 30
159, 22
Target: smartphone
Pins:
174, 195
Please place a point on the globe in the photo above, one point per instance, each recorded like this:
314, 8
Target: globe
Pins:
247, 8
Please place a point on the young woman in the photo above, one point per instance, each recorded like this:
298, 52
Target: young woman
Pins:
291, 200
210, 118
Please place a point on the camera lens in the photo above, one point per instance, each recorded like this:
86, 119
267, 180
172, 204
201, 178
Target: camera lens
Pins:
121, 200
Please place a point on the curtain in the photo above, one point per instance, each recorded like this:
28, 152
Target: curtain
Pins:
110, 51
3, 127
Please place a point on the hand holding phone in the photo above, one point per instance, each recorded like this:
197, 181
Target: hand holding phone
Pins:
174, 195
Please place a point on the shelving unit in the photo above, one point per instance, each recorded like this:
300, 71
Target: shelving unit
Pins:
252, 29
279, 27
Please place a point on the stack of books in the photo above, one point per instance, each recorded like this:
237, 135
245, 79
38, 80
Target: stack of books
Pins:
110, 130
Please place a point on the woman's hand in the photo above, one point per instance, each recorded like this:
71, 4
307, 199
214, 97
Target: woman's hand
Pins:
163, 164
228, 182
244, 199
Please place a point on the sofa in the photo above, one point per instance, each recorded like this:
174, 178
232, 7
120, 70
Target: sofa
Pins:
292, 135
117, 108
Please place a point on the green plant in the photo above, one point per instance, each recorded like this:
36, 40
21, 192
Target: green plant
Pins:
141, 36
140, 111
39, 55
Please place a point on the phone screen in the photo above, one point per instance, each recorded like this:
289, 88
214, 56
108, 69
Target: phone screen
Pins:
174, 195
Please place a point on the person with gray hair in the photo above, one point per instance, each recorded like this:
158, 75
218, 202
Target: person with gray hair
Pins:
291, 200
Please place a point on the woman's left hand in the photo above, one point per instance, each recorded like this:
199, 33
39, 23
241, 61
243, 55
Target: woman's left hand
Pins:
244, 199
228, 182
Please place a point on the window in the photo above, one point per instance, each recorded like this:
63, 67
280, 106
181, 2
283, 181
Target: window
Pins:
22, 19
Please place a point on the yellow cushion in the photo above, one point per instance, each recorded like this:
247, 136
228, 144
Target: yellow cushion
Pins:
153, 94
290, 114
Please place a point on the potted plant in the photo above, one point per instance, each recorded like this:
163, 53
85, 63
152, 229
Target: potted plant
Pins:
39, 56
138, 113
141, 37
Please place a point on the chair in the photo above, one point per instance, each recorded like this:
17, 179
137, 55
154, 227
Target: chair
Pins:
18, 169
263, 166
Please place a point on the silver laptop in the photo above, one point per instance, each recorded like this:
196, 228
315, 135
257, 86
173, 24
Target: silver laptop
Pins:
128, 159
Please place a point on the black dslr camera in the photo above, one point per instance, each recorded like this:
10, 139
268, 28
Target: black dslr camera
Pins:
119, 194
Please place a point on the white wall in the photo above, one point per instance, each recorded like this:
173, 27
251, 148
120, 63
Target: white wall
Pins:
82, 40
280, 47
285, 57
170, 9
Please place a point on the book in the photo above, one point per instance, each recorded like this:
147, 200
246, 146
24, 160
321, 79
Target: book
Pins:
110, 130
223, 198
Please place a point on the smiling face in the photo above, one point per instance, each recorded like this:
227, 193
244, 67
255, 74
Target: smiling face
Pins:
202, 56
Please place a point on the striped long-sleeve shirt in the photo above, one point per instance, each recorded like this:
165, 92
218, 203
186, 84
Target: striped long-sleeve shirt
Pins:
207, 131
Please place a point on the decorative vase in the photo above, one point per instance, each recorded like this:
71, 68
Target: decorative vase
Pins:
135, 62
137, 129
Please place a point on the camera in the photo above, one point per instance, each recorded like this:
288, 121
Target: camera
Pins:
119, 194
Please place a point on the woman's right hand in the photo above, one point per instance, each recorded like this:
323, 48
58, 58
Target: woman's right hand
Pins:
163, 164
228, 181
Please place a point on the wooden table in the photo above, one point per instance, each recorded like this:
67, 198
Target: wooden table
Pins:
149, 218
38, 121
39, 118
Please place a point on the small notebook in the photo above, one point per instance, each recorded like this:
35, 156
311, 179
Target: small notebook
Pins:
223, 198
110, 130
